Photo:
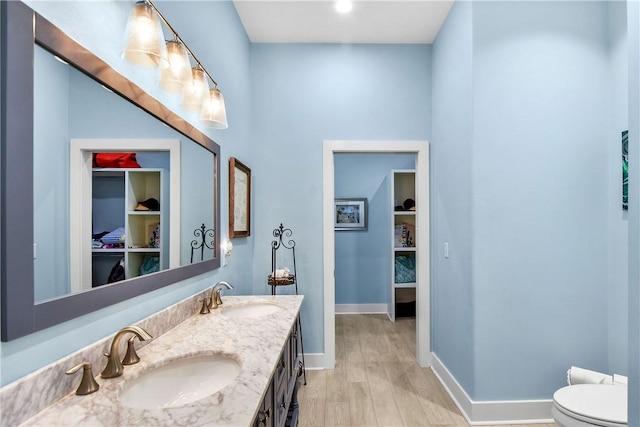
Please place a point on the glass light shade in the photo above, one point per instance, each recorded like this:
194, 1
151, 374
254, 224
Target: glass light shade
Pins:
195, 93
178, 74
214, 113
145, 40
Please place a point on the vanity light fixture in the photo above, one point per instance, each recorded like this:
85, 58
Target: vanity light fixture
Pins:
146, 47
145, 40
213, 113
178, 73
344, 6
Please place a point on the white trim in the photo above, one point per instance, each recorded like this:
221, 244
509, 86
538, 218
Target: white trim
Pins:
328, 255
314, 361
492, 411
423, 321
361, 308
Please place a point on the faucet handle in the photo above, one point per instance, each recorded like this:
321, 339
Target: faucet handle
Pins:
213, 301
88, 383
131, 357
218, 297
205, 306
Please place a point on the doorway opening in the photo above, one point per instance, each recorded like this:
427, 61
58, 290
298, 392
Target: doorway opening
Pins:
421, 151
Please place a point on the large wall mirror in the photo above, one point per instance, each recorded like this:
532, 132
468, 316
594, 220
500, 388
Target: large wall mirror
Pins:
60, 105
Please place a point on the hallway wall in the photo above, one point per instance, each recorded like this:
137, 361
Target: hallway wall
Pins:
363, 258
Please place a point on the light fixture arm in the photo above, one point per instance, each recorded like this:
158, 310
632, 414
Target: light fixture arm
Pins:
178, 38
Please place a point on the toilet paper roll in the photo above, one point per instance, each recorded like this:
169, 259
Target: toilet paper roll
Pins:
577, 375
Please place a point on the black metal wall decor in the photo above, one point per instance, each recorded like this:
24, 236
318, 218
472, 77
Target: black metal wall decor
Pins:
202, 243
284, 276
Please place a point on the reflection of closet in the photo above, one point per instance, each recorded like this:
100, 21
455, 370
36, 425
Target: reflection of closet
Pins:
101, 200
404, 244
116, 194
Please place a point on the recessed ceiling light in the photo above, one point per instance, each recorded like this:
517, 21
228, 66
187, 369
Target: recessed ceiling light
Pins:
344, 6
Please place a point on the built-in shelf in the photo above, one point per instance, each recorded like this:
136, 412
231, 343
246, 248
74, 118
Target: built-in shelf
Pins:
116, 195
404, 244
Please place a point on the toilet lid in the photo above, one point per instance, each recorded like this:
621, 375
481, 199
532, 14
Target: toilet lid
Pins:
594, 401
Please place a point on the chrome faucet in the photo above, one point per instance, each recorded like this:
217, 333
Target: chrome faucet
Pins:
216, 299
114, 366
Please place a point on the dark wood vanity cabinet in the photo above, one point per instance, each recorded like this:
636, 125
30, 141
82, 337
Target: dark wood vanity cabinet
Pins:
279, 407
265, 416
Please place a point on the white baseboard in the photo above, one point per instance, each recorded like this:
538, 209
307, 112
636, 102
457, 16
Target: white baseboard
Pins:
361, 308
492, 412
314, 361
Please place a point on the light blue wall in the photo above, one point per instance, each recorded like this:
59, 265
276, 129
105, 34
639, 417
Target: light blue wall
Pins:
51, 160
362, 264
533, 96
224, 49
633, 26
539, 194
618, 230
304, 94
196, 169
451, 189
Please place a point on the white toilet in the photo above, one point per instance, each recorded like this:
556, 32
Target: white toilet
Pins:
591, 405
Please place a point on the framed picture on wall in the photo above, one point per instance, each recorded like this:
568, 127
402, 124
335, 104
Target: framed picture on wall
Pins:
350, 214
239, 199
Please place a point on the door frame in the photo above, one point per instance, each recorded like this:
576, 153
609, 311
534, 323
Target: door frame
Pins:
423, 288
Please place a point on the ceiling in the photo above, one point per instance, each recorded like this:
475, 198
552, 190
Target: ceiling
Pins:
317, 21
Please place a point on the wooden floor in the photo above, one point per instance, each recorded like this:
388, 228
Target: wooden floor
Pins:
377, 381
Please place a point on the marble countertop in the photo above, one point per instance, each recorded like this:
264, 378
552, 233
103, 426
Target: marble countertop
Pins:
256, 342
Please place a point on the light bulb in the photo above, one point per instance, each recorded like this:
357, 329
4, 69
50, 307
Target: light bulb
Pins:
195, 93
145, 40
178, 74
214, 112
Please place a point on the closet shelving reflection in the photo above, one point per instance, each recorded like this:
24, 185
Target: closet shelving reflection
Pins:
117, 193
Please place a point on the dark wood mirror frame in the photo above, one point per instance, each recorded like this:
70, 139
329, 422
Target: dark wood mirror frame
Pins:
20, 316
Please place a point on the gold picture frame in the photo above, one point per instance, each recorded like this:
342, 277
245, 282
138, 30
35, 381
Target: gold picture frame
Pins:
239, 199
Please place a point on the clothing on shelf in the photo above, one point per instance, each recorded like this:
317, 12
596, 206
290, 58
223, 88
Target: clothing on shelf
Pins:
117, 236
117, 272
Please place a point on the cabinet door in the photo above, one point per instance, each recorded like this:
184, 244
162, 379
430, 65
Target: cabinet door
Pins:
266, 415
294, 350
282, 368
281, 406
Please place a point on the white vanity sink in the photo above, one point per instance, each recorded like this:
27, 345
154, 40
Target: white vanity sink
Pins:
255, 309
181, 382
